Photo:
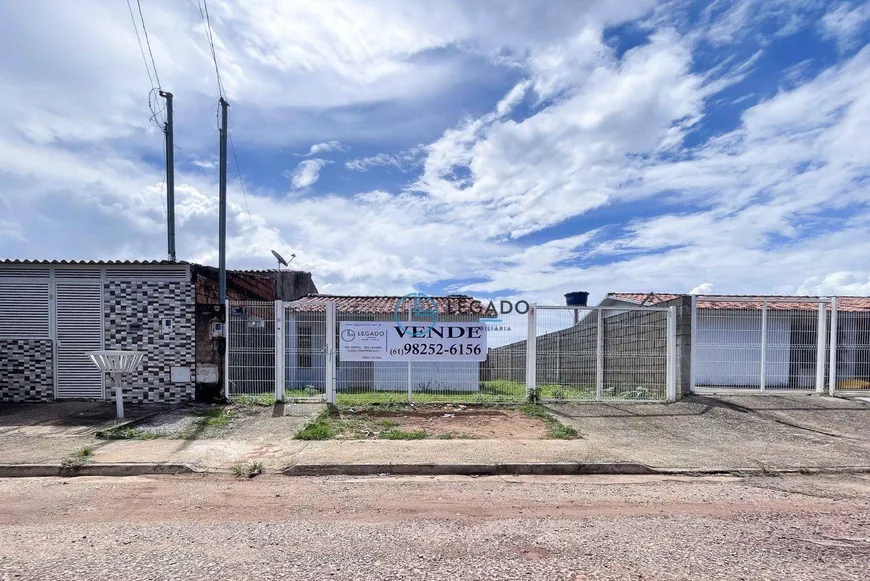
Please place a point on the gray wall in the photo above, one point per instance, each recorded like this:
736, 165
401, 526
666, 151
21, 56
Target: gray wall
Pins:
635, 344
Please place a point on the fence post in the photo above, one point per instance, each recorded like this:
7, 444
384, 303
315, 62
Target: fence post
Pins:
329, 339
532, 352
279, 350
410, 385
693, 346
599, 356
672, 355
820, 350
832, 386
227, 349
763, 345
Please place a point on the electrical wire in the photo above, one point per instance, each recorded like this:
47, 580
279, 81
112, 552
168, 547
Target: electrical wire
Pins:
241, 183
206, 22
148, 42
141, 48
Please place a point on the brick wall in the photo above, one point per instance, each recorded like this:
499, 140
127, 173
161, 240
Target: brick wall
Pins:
26, 370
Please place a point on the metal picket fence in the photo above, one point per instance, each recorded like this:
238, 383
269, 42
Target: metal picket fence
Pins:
607, 353
250, 365
760, 344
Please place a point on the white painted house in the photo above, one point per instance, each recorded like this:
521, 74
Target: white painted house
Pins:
726, 341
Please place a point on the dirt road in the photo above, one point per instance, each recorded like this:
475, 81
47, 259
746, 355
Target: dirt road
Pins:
435, 528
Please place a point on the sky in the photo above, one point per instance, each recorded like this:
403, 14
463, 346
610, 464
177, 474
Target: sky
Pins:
503, 149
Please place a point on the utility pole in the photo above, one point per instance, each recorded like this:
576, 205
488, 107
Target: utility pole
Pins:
222, 206
170, 175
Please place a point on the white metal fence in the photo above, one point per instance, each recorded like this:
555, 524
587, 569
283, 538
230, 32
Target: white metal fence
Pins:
250, 365
760, 344
562, 353
603, 353
576, 354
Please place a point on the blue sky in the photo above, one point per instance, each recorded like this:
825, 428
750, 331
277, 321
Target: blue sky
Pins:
501, 149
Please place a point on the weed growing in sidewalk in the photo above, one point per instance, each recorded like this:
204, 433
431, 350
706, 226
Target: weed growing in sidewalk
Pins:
129, 433
78, 458
207, 418
254, 400
319, 429
396, 434
251, 469
558, 430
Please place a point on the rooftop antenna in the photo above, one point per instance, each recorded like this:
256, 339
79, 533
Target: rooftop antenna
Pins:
281, 259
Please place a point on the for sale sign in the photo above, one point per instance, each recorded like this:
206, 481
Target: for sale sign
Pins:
388, 341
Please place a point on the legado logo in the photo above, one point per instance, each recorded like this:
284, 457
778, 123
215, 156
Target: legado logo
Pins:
417, 312
348, 335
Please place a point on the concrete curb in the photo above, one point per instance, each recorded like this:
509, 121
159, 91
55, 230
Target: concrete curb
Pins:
549, 469
514, 469
533, 469
115, 469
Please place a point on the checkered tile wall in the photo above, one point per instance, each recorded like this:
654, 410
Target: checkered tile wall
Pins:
26, 372
157, 318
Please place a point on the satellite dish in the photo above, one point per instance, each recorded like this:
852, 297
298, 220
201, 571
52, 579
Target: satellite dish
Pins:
280, 258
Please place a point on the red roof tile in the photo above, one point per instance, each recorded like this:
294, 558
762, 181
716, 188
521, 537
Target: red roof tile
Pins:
745, 302
386, 305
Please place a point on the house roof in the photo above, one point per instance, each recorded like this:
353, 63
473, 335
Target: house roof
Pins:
95, 262
386, 305
744, 302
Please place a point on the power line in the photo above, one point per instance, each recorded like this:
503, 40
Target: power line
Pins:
147, 41
206, 22
241, 183
141, 48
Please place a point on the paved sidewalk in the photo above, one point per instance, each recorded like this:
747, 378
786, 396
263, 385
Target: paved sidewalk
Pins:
700, 433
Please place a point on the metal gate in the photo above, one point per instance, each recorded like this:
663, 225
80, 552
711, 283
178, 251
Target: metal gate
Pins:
762, 344
250, 363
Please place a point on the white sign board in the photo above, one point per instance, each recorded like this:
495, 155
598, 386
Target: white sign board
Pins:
391, 341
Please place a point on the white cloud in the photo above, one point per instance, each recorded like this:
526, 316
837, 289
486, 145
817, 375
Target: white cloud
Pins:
325, 147
844, 23
402, 160
705, 288
205, 163
307, 172
837, 283
760, 208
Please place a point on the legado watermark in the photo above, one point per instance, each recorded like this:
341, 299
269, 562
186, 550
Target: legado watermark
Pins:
415, 314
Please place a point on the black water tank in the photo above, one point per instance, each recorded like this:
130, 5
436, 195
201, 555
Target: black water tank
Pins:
577, 299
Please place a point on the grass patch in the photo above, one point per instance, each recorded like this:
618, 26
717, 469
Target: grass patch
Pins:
214, 417
396, 434
320, 428
251, 469
207, 418
562, 432
558, 430
78, 458
536, 411
254, 400
129, 433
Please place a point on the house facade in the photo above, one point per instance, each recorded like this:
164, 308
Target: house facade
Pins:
52, 313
